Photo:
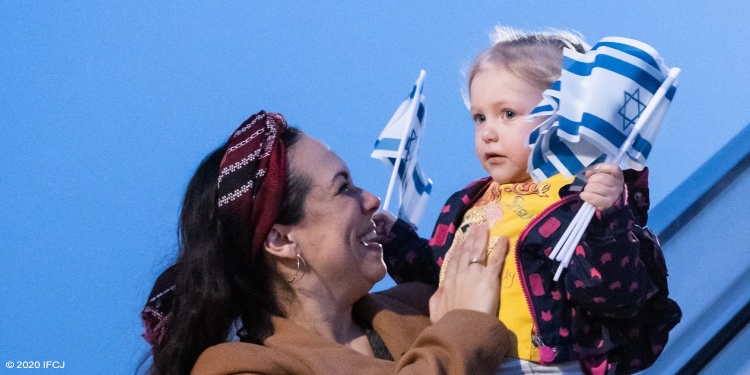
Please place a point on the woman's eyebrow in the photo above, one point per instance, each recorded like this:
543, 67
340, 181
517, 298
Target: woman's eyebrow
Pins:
343, 174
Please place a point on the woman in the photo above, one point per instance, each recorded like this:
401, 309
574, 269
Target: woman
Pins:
277, 249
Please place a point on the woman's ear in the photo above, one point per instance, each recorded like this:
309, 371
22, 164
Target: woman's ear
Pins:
278, 244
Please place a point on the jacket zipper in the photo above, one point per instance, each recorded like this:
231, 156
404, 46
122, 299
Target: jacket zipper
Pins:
546, 353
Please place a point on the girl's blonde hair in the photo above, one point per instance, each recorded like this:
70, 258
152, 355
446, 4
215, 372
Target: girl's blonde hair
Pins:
534, 56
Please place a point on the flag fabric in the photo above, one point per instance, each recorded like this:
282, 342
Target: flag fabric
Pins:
594, 107
397, 146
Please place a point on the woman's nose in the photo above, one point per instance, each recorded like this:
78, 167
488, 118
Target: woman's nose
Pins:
370, 202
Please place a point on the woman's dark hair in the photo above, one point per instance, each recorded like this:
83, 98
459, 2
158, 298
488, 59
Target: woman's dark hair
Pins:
217, 281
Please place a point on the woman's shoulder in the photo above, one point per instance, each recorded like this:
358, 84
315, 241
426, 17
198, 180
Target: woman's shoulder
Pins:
242, 357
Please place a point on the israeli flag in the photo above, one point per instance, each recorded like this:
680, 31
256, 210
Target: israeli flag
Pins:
397, 146
595, 107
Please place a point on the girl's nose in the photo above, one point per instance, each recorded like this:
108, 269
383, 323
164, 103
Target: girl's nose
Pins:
488, 134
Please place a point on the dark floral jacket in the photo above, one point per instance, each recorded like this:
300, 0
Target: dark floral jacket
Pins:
610, 309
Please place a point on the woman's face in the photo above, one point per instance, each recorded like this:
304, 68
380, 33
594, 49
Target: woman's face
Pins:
334, 235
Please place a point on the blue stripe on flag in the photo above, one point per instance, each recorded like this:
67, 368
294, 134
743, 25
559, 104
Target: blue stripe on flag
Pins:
534, 136
566, 156
630, 71
538, 162
670, 93
390, 144
630, 50
413, 91
420, 186
548, 169
596, 124
420, 112
642, 145
542, 108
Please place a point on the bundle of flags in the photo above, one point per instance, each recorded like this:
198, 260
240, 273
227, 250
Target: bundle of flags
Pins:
397, 146
607, 105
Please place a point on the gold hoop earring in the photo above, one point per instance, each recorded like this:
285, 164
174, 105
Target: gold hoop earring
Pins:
299, 257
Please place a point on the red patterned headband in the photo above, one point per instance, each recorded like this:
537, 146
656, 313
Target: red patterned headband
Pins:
252, 178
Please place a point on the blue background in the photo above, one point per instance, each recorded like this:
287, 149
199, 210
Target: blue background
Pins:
107, 107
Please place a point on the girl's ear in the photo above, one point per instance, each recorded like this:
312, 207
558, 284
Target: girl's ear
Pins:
278, 244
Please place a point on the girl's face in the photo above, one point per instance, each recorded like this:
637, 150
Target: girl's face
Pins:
335, 235
500, 102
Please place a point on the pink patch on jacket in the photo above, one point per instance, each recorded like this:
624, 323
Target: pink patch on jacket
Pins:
633, 286
625, 261
580, 251
535, 281
465, 199
579, 284
446, 208
595, 273
556, 295
441, 235
549, 227
564, 332
606, 257
600, 300
615, 285
547, 315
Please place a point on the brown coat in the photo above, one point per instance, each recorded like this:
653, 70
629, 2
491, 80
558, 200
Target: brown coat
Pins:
462, 342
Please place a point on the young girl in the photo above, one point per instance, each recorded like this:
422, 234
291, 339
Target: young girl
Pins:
609, 313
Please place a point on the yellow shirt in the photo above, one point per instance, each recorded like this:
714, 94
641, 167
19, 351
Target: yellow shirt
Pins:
508, 209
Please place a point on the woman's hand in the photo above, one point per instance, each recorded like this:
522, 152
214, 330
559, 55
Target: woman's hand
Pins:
604, 186
472, 280
384, 222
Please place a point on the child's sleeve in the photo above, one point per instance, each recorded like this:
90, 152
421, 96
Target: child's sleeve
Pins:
609, 278
409, 257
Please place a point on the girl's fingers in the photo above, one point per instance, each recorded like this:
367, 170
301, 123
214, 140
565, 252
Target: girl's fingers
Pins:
608, 168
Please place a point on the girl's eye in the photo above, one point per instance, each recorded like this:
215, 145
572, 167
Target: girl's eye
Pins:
479, 118
509, 114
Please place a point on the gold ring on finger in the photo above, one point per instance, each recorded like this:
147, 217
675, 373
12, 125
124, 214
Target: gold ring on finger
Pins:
477, 260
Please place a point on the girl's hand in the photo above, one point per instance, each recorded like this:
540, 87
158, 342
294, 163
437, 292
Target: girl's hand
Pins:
604, 186
472, 281
384, 222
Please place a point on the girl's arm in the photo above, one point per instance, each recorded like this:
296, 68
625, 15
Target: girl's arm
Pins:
407, 256
608, 277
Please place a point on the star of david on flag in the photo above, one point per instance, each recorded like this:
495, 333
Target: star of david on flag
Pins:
607, 105
397, 146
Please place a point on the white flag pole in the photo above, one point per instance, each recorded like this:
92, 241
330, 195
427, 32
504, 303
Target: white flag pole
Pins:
571, 238
410, 115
